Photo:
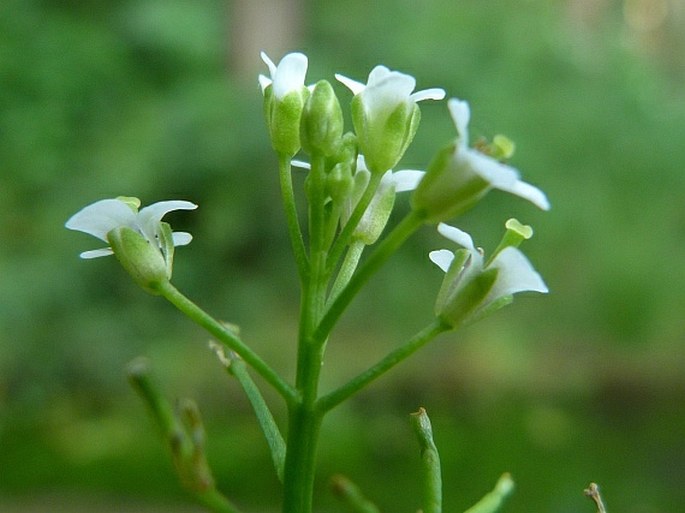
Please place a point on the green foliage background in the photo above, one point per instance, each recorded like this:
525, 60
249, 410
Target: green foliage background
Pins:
132, 97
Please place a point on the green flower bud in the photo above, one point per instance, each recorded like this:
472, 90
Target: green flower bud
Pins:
339, 182
347, 150
283, 119
322, 121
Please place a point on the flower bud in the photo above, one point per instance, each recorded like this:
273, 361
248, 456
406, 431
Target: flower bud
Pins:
322, 121
283, 119
339, 182
141, 259
347, 150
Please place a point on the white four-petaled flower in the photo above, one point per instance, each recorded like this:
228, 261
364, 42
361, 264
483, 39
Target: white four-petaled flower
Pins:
284, 98
458, 176
385, 114
101, 217
461, 299
385, 89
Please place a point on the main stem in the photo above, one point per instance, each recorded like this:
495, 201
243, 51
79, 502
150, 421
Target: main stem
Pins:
304, 419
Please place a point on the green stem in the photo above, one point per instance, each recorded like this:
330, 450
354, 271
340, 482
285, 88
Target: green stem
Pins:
493, 500
430, 463
227, 338
216, 502
381, 254
304, 426
304, 421
273, 436
185, 442
350, 493
285, 175
393, 358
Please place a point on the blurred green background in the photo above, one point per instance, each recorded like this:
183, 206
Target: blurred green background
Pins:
158, 99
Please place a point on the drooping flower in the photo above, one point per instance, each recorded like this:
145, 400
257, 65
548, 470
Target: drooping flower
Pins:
385, 114
284, 98
472, 287
459, 176
139, 239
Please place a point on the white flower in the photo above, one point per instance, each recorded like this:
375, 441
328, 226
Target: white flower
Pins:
284, 101
101, 217
385, 89
498, 175
459, 176
473, 288
385, 114
287, 77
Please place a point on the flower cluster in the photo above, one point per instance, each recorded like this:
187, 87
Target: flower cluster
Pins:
350, 192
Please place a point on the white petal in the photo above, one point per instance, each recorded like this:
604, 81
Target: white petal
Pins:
301, 164
501, 176
95, 253
361, 163
516, 274
264, 82
352, 85
434, 93
101, 217
442, 258
461, 114
290, 74
269, 63
181, 238
378, 74
148, 218
407, 179
529, 192
386, 93
400, 84
456, 235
